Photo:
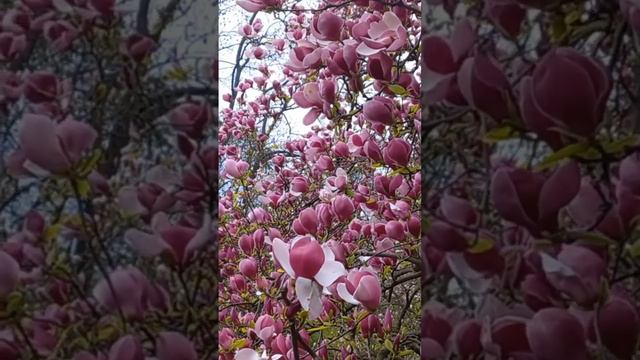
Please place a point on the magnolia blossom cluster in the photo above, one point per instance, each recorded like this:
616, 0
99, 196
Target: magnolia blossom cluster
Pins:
530, 245
319, 233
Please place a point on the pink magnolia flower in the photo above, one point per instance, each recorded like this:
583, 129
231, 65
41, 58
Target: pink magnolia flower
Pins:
507, 15
382, 34
312, 265
371, 325
397, 153
343, 207
235, 169
395, 230
191, 117
278, 44
380, 67
380, 110
307, 222
9, 274
628, 191
485, 86
16, 20
10, 86
266, 327
507, 337
587, 208
42, 86
100, 8
247, 31
11, 45
327, 26
38, 5
554, 96
344, 61
631, 11
304, 56
533, 200
577, 272
309, 97
299, 185
152, 196
132, 293
180, 242
47, 146
250, 354
60, 34
248, 267
442, 59
127, 347
556, 334
137, 47
85, 355
361, 287
172, 345
254, 6
388, 185
618, 326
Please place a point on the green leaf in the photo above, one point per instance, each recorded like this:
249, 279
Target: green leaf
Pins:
15, 302
573, 16
52, 231
388, 345
319, 328
591, 238
617, 146
107, 333
564, 153
634, 249
84, 188
501, 133
238, 343
177, 74
90, 163
398, 89
481, 246
558, 28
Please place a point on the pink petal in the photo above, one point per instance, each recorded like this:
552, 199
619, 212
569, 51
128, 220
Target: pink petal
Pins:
369, 292
41, 145
250, 6
147, 245
556, 334
330, 271
281, 254
247, 354
76, 138
307, 257
9, 274
127, 348
346, 295
175, 346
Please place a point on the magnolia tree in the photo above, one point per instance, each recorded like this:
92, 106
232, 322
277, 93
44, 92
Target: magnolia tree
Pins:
319, 233
531, 166
108, 180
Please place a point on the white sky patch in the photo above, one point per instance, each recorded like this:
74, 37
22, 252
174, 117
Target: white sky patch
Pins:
230, 22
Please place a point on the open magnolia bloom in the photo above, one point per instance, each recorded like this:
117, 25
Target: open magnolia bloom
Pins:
250, 354
312, 265
361, 287
178, 241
